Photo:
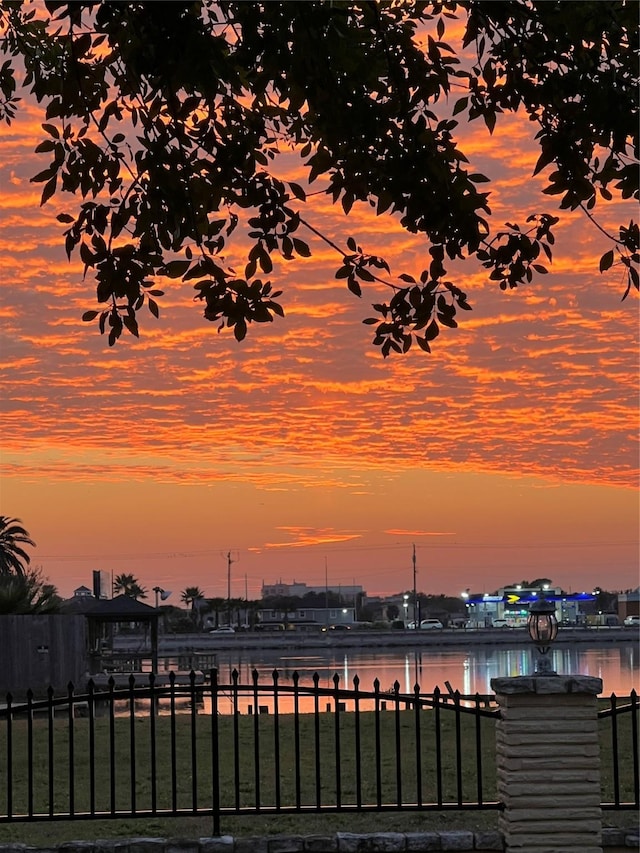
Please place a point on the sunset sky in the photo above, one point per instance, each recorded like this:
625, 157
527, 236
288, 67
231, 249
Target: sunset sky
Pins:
509, 453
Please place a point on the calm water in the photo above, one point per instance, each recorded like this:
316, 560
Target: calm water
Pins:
467, 670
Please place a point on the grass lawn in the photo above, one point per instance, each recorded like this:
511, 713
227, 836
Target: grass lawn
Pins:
179, 769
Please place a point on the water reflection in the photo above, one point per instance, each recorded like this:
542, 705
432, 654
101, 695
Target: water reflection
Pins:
467, 670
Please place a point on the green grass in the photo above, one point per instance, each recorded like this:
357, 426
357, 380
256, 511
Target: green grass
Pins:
256, 765
272, 780
625, 751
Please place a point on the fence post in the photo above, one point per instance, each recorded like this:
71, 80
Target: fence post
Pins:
548, 763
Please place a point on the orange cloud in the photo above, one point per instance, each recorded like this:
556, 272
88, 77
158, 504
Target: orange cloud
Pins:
397, 532
521, 423
306, 537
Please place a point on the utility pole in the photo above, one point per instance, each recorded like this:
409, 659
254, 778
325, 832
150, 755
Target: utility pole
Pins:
326, 593
416, 612
229, 562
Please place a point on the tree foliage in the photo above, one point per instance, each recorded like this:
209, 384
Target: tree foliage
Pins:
168, 121
128, 584
194, 598
190, 595
13, 537
29, 592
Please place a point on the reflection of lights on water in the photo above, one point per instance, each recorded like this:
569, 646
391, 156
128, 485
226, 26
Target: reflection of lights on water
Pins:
466, 679
470, 670
407, 675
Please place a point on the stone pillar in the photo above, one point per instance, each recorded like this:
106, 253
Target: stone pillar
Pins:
548, 763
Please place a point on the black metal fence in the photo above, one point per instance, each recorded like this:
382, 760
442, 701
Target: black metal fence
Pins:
167, 746
619, 752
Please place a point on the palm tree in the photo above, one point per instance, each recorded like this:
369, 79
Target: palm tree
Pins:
13, 536
192, 596
137, 591
216, 605
127, 584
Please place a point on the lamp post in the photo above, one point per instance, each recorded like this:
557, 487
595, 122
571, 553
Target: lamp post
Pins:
229, 562
465, 597
416, 610
543, 629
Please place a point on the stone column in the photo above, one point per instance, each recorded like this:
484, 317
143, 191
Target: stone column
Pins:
548, 763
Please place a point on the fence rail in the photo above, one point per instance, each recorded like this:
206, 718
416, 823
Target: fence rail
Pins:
619, 752
211, 748
162, 746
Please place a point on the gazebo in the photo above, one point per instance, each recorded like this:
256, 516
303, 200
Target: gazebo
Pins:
121, 609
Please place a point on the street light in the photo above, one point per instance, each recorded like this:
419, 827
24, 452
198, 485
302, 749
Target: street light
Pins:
163, 593
416, 603
543, 629
467, 607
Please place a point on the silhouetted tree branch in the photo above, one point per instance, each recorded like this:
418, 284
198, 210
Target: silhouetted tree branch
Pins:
167, 121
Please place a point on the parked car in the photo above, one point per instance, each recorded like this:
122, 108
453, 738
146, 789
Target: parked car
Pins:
431, 624
223, 629
632, 622
500, 623
336, 628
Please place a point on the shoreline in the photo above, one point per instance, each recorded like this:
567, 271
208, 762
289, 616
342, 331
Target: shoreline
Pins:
169, 644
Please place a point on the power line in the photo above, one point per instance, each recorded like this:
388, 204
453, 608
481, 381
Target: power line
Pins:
433, 545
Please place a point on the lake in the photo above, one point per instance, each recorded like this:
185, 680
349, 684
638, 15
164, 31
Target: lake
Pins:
468, 670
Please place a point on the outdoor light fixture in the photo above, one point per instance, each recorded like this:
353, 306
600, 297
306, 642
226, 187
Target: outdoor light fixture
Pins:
163, 593
543, 629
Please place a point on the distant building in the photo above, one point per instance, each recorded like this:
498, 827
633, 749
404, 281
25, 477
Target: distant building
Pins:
101, 587
629, 603
82, 592
102, 584
307, 617
299, 590
512, 604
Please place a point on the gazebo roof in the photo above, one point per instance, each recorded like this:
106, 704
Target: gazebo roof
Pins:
122, 608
